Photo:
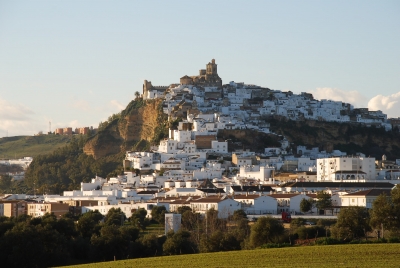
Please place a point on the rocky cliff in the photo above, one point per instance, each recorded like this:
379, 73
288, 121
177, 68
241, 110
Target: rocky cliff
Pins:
140, 121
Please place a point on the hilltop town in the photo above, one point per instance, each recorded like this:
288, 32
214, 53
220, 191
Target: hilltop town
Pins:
203, 98
195, 168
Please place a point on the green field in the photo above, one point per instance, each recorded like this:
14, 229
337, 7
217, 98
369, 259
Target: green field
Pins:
363, 255
21, 146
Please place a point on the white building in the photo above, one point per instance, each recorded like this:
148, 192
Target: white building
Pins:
289, 202
260, 173
305, 163
172, 222
257, 204
140, 160
224, 205
362, 198
352, 169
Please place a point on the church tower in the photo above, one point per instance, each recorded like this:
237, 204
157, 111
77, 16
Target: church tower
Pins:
211, 68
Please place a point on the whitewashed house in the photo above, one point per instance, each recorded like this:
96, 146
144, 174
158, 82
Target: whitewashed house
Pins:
362, 198
257, 204
225, 205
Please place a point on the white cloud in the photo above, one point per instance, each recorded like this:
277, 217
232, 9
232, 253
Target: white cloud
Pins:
353, 97
118, 105
14, 112
15, 119
387, 104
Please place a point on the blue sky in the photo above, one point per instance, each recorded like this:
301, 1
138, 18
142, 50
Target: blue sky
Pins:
75, 63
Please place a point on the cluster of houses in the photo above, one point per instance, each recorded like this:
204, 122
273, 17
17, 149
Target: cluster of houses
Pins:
177, 173
253, 199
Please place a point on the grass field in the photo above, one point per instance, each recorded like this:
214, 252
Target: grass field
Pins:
20, 146
363, 255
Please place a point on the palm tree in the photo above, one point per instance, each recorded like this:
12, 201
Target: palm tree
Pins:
137, 95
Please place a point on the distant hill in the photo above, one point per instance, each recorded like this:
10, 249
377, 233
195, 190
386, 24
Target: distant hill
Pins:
21, 146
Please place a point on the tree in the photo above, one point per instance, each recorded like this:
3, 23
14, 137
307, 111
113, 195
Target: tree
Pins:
382, 213
239, 214
66, 227
395, 196
137, 95
33, 246
192, 222
305, 205
324, 201
150, 246
130, 232
109, 244
212, 223
352, 223
139, 218
158, 214
266, 230
183, 209
115, 216
5, 183
179, 243
88, 223
219, 241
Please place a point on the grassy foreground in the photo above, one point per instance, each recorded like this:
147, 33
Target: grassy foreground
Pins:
364, 255
20, 146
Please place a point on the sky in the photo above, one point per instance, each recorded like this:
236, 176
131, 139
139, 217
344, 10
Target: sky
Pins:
75, 63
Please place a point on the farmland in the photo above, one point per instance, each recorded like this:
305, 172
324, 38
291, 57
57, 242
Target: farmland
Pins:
361, 255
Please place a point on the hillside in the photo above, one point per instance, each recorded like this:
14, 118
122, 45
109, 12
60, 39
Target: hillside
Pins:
370, 255
21, 146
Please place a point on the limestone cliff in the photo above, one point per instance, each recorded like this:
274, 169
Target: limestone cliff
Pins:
140, 121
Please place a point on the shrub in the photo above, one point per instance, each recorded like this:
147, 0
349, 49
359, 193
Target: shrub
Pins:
394, 240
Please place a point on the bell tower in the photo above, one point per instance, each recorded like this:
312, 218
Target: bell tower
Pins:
211, 68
